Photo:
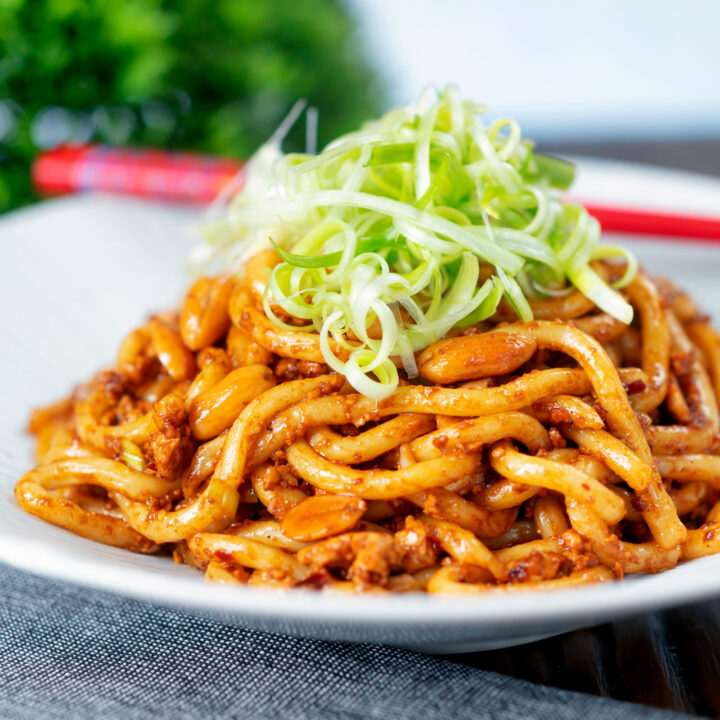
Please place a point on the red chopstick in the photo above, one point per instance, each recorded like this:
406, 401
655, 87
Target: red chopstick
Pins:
192, 178
639, 221
181, 177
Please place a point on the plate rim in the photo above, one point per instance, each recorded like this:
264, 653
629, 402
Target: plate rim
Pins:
607, 600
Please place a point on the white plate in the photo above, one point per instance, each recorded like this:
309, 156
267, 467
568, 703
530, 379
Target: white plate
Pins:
77, 273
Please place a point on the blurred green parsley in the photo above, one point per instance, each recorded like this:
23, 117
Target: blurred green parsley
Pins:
214, 76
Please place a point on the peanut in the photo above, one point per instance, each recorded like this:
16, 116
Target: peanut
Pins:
322, 516
475, 356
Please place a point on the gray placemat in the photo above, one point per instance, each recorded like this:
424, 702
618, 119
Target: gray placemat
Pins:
70, 652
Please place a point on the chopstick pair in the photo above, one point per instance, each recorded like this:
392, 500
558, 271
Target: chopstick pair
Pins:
193, 178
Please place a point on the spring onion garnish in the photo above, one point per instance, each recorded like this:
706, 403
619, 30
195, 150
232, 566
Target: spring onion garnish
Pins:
417, 223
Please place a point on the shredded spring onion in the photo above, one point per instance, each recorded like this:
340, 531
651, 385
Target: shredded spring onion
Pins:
417, 223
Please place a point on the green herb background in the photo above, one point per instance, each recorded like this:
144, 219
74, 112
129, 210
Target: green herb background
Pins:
215, 76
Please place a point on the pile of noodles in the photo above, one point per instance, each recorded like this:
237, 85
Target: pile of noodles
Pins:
568, 449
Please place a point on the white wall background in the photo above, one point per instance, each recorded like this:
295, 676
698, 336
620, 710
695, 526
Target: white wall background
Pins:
566, 69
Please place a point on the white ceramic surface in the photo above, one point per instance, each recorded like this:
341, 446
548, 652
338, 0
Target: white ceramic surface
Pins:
77, 273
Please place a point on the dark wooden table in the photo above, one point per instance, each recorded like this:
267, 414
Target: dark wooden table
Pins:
668, 659
701, 155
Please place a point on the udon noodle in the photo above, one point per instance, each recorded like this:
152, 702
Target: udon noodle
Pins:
568, 450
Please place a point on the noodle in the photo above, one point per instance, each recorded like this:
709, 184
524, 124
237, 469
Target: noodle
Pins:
549, 454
